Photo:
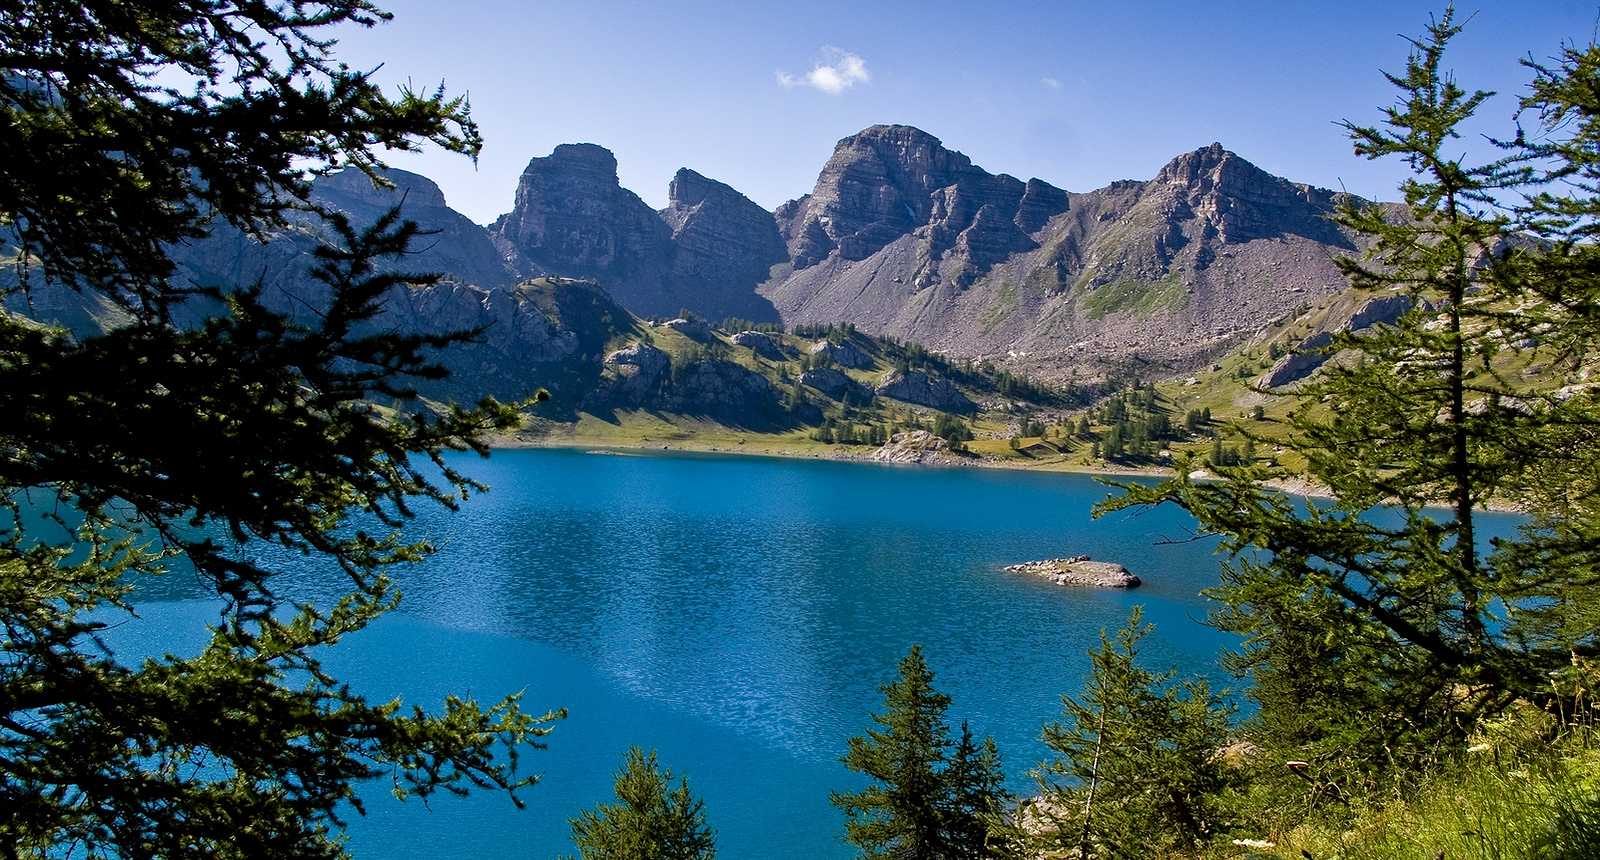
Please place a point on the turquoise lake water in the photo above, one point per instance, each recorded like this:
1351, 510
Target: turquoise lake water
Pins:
738, 615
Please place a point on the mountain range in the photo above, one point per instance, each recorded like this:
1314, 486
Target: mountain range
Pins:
900, 236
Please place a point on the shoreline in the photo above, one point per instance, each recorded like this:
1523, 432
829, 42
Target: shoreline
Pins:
1293, 486
786, 453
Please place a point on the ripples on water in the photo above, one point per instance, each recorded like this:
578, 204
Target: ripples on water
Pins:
739, 614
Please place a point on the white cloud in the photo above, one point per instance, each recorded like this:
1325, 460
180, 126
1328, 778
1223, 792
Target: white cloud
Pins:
836, 71
1052, 83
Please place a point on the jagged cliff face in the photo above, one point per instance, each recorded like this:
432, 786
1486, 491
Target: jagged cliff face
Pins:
892, 181
572, 218
706, 251
452, 246
723, 246
904, 237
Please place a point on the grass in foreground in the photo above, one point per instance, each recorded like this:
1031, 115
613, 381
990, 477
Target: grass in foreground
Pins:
1498, 804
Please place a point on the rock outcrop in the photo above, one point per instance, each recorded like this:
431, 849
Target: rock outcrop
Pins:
915, 446
1380, 310
836, 385
630, 377
1306, 357
844, 353
690, 328
1312, 352
723, 391
924, 389
1079, 571
762, 344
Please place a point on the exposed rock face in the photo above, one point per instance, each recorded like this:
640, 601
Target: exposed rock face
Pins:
453, 245
630, 377
723, 391
1311, 353
571, 217
1300, 362
836, 385
1238, 202
904, 237
924, 390
889, 181
1380, 310
762, 344
915, 446
1079, 571
540, 334
692, 329
845, 354
640, 376
705, 252
723, 245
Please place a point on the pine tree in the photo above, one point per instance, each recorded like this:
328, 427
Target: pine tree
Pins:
923, 802
976, 797
206, 425
1135, 771
651, 820
1378, 629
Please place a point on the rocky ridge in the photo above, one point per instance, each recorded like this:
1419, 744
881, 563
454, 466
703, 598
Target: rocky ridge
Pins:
899, 236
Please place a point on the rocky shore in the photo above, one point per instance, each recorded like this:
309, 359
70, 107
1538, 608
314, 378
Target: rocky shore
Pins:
1078, 570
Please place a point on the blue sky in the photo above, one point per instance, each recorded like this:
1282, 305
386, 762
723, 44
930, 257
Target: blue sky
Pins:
1076, 93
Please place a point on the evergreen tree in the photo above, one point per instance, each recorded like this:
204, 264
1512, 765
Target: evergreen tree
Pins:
130, 129
1378, 629
1135, 771
976, 797
923, 802
651, 820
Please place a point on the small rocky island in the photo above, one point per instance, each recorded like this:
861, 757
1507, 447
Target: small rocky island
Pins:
1078, 570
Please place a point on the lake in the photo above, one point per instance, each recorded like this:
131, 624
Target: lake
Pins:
738, 615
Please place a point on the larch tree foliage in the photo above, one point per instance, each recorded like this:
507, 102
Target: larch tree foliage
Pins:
924, 801
129, 127
1379, 627
651, 819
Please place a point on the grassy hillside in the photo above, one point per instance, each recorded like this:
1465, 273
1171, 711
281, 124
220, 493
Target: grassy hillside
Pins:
830, 382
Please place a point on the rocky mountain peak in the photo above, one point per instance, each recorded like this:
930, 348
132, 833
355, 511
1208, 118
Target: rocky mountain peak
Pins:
571, 217
723, 245
689, 189
356, 187
1240, 201
1188, 168
455, 246
591, 158
890, 181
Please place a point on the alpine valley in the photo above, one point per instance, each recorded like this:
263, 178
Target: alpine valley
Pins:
909, 290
